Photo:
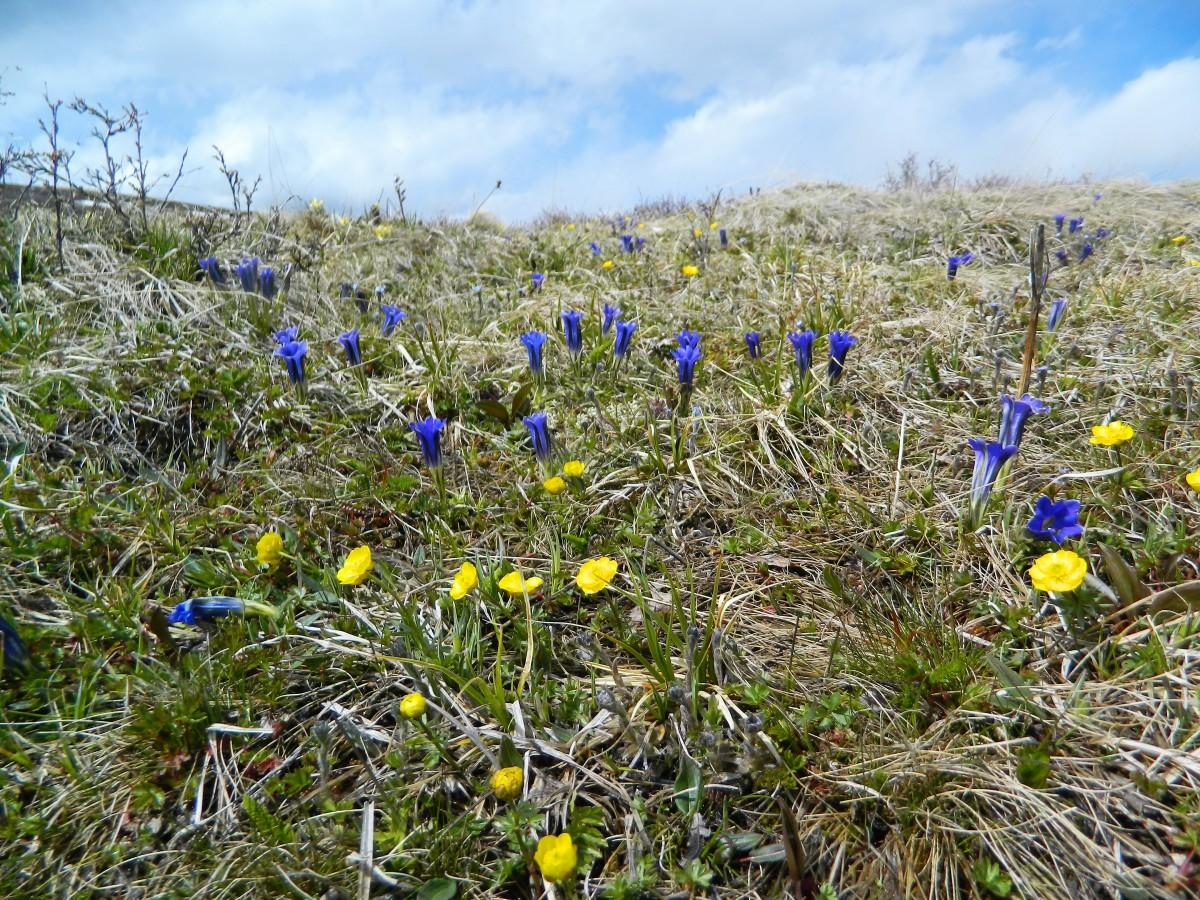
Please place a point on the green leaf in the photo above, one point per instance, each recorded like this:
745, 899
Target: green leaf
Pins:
521, 401
438, 889
1123, 576
687, 787
495, 410
1180, 598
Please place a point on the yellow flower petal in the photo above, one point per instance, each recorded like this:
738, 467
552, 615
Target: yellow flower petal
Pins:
595, 574
1193, 480
554, 485
690, 271
357, 566
1179, 240
269, 549
412, 706
1060, 572
465, 581
506, 783
607, 264
574, 469
556, 857
515, 585
1111, 434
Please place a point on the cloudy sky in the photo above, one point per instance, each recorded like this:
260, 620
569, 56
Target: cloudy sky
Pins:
593, 106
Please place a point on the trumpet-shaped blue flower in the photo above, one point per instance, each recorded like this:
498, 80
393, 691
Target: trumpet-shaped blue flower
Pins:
1085, 251
292, 353
686, 358
212, 268
1101, 233
210, 609
1055, 520
595, 248
754, 344
990, 457
429, 434
345, 290
1059, 219
1074, 225
247, 273
688, 338
610, 315
287, 335
534, 341
539, 433
349, 342
572, 330
954, 262
1061, 255
537, 279
627, 243
392, 316
16, 656
639, 242
1058, 306
1014, 414
622, 336
802, 343
724, 236
840, 343
266, 283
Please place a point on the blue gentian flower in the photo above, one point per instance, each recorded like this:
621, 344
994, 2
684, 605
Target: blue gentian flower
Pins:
572, 330
1085, 251
990, 456
1101, 233
1014, 414
205, 609
840, 343
724, 237
247, 273
610, 316
539, 433
688, 338
595, 248
639, 242
536, 279
1096, 198
1061, 255
345, 290
533, 342
622, 337
392, 316
1057, 307
293, 353
686, 358
1074, 225
212, 268
349, 342
266, 283
16, 656
287, 335
1059, 218
754, 344
954, 262
1055, 520
429, 433
802, 343
627, 243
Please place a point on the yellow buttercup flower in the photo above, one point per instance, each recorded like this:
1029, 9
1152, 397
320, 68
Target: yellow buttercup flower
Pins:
690, 271
696, 232
1193, 480
574, 469
1060, 571
607, 264
570, 226
1179, 240
556, 857
465, 581
357, 567
595, 574
269, 549
507, 782
712, 226
382, 231
1111, 434
515, 585
412, 706
641, 224
554, 485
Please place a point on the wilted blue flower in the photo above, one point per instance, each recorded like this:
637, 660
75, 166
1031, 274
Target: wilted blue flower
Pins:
247, 273
539, 433
802, 343
724, 237
392, 316
610, 316
990, 456
345, 290
1014, 414
533, 342
1061, 255
688, 338
572, 330
266, 283
1074, 225
287, 335
205, 609
686, 358
429, 433
622, 337
754, 344
954, 262
595, 248
349, 342
627, 243
1057, 307
1055, 520
1085, 251
16, 656
639, 242
840, 343
536, 279
212, 268
1059, 219
293, 353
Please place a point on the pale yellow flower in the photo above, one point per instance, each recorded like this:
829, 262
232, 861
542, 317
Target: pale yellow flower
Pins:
696, 232
412, 706
712, 226
554, 485
1193, 480
357, 566
343, 220
317, 206
574, 469
690, 271
269, 549
595, 574
506, 783
571, 226
382, 231
515, 585
1111, 434
1060, 572
465, 581
556, 857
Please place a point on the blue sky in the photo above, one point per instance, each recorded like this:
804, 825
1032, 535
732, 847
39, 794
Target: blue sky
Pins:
592, 106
